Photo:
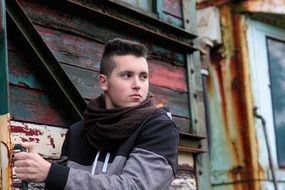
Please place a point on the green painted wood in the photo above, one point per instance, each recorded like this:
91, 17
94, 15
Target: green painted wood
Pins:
22, 73
198, 122
35, 106
4, 92
177, 22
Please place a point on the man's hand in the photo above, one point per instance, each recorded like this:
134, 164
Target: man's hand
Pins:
30, 166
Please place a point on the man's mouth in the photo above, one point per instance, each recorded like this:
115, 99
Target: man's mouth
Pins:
136, 96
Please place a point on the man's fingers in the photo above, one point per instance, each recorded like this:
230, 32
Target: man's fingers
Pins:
20, 163
28, 146
21, 155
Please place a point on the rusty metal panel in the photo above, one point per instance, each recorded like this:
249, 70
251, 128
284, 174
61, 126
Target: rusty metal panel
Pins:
233, 145
258, 34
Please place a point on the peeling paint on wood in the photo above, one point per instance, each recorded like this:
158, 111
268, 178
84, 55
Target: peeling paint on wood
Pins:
47, 139
35, 106
73, 49
167, 75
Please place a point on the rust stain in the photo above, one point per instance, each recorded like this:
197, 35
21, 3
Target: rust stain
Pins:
229, 65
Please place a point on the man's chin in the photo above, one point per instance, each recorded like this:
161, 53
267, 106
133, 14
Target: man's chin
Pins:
132, 104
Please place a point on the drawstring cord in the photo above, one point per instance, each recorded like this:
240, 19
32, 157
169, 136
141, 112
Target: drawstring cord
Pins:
95, 162
106, 162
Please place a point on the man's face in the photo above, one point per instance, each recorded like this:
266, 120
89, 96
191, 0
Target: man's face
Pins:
127, 84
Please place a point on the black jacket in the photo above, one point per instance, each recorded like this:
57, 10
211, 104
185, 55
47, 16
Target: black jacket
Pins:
146, 160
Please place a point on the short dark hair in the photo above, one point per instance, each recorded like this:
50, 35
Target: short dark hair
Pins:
119, 46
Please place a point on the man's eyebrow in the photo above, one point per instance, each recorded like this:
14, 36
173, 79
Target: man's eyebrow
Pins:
126, 71
144, 72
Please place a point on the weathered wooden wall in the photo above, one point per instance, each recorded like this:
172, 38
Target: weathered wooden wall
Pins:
77, 41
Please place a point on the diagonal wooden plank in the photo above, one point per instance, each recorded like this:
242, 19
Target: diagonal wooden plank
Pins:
34, 45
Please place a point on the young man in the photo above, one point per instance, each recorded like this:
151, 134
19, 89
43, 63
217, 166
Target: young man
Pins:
124, 141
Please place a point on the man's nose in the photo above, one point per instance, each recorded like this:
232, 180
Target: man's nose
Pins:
136, 83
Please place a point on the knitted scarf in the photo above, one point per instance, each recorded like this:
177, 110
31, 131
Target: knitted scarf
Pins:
107, 128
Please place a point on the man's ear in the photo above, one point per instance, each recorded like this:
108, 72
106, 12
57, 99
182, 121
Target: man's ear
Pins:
103, 82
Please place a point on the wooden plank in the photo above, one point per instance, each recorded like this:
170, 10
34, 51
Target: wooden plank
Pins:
22, 73
86, 81
73, 49
47, 139
176, 101
166, 75
183, 124
37, 107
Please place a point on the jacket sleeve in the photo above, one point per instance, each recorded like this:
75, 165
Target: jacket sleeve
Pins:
152, 164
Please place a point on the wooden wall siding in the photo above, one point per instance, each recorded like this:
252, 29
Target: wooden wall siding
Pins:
86, 53
172, 12
168, 82
54, 18
36, 106
30, 99
80, 56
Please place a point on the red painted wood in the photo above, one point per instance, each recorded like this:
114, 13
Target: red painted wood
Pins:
167, 75
36, 107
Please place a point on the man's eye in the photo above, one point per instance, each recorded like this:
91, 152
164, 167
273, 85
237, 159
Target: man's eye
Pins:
144, 77
126, 75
